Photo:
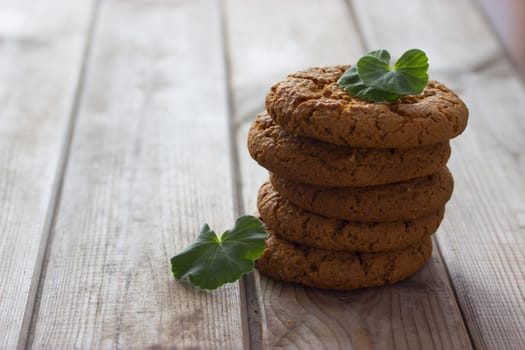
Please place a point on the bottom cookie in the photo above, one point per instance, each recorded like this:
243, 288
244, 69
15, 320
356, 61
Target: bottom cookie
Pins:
325, 269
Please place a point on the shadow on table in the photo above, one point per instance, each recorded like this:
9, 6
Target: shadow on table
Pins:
418, 310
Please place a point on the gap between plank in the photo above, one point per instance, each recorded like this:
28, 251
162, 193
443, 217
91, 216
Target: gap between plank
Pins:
54, 203
357, 25
454, 292
250, 308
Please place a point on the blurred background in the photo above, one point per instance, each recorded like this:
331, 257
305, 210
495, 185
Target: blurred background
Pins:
507, 17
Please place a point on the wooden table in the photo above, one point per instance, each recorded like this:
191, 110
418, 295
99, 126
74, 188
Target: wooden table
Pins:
123, 128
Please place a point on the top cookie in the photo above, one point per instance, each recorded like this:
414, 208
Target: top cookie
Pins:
310, 103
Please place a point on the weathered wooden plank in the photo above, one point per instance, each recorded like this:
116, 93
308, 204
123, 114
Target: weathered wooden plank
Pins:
455, 42
482, 239
149, 165
41, 51
266, 41
508, 20
482, 236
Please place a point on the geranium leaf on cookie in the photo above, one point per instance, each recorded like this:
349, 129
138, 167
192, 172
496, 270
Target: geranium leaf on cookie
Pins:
407, 77
353, 85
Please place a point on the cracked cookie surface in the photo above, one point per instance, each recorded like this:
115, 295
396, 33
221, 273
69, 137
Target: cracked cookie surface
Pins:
310, 103
324, 269
309, 229
405, 200
310, 161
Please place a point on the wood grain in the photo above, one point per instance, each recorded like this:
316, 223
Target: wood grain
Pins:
418, 313
483, 240
482, 237
41, 53
452, 33
414, 314
149, 165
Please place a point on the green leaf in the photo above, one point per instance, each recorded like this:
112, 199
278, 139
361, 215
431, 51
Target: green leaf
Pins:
210, 262
407, 77
373, 78
380, 55
353, 85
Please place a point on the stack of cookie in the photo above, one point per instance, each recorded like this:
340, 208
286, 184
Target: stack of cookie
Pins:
356, 188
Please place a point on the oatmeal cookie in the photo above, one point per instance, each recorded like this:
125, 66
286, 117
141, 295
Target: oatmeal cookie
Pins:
310, 161
309, 229
310, 103
405, 200
327, 269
